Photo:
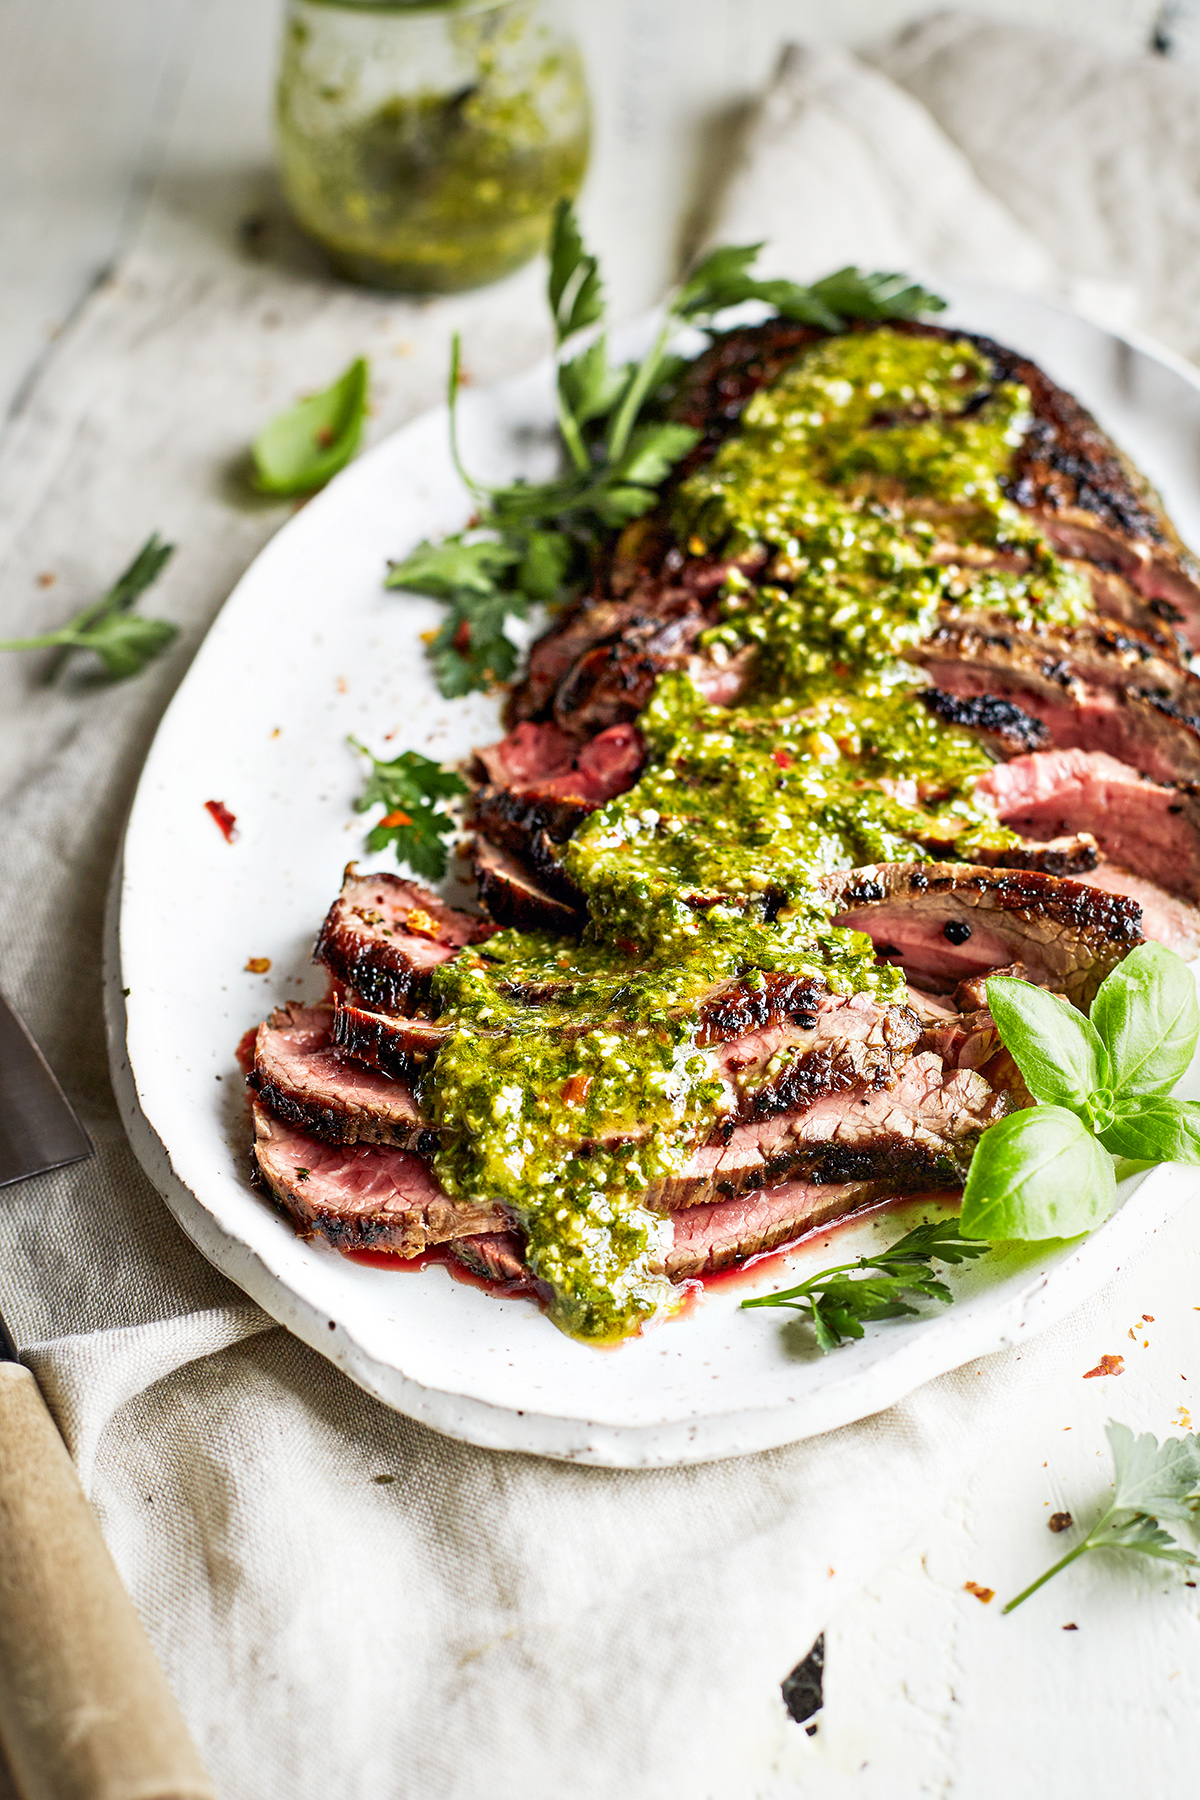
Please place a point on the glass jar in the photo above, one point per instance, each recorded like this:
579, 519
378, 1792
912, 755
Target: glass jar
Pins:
424, 143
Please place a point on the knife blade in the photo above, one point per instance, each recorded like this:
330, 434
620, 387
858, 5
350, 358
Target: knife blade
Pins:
38, 1127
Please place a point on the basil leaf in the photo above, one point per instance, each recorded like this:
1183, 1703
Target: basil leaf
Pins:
302, 448
1147, 1014
1037, 1174
1156, 1129
1057, 1050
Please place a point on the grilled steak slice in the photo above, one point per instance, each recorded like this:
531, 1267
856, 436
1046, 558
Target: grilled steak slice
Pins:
1165, 919
1149, 829
916, 1132
707, 1238
513, 897
1084, 493
300, 1077
944, 921
397, 1044
540, 778
1094, 687
383, 936
360, 1196
1003, 728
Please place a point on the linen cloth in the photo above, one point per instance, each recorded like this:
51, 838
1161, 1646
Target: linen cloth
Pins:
346, 1603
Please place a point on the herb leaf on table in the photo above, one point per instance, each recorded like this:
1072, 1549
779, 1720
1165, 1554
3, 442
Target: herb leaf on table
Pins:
616, 448
1153, 1481
840, 1300
411, 789
305, 446
123, 640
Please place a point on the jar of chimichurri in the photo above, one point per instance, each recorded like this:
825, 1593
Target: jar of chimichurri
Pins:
424, 143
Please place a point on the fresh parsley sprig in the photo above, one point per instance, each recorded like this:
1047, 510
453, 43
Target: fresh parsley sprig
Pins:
123, 640
1152, 1482
536, 541
840, 1300
1102, 1086
411, 789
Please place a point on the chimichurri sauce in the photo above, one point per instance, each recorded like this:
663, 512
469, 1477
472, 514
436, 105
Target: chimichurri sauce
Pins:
864, 487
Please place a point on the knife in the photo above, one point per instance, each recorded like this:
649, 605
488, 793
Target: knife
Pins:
85, 1710
38, 1129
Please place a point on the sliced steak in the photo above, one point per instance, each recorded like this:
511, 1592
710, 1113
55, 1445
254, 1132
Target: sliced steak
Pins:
1165, 919
713, 1237
301, 1078
540, 779
360, 1196
397, 1044
941, 922
1093, 687
383, 936
1004, 728
512, 896
1149, 829
1083, 491
706, 1238
613, 679
916, 1132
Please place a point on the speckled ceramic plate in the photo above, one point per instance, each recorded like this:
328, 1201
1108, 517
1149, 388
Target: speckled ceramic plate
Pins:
310, 648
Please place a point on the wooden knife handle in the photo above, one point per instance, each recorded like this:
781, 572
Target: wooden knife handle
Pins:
85, 1710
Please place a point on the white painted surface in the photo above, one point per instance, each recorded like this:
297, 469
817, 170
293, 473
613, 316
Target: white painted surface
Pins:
928, 1692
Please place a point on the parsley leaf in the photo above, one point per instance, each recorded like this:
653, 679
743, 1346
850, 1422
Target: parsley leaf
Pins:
838, 1301
303, 448
534, 542
411, 789
123, 640
1153, 1481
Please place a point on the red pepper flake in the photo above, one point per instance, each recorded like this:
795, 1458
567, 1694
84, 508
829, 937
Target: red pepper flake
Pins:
1060, 1521
258, 965
627, 947
980, 1593
576, 1090
1149, 1318
396, 818
1108, 1365
47, 578
226, 822
782, 759
1070, 1628
462, 637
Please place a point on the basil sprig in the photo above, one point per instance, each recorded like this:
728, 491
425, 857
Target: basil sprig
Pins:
1102, 1086
536, 541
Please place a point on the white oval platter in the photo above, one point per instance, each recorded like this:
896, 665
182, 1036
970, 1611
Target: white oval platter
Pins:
309, 649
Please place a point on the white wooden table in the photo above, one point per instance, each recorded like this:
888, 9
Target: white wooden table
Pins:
130, 121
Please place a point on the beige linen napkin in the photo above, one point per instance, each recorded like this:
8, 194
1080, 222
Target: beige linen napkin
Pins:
346, 1603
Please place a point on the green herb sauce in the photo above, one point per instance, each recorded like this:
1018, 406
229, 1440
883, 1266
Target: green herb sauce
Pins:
865, 484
